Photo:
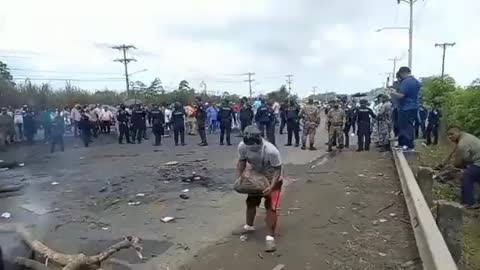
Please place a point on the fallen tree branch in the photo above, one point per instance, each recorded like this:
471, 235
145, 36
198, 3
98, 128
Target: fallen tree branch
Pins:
70, 262
385, 208
31, 264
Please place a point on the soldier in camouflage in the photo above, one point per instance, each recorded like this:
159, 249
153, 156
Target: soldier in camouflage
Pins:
311, 120
384, 123
336, 116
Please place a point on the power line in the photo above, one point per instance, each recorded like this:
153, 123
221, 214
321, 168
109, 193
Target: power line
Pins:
71, 79
444, 46
124, 48
61, 72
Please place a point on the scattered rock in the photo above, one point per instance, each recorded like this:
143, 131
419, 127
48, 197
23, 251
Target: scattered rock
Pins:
279, 267
393, 214
185, 190
134, 203
243, 237
382, 220
140, 195
184, 196
361, 175
103, 189
382, 254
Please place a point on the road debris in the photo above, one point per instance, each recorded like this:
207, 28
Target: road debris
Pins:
386, 207
392, 214
54, 183
361, 175
167, 219
184, 196
140, 195
172, 163
260, 255
185, 190
134, 203
6, 215
279, 267
382, 220
332, 221
355, 228
35, 208
243, 237
105, 228
382, 254
103, 189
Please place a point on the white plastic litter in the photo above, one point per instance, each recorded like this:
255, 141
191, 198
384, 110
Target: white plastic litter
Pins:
140, 195
6, 215
133, 203
55, 183
186, 190
21, 164
382, 220
167, 219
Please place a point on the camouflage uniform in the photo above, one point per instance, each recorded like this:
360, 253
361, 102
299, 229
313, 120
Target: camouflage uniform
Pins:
336, 118
384, 123
5, 123
311, 120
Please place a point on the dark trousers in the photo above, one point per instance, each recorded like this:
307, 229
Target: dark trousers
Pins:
57, 139
244, 124
267, 130
124, 132
470, 176
406, 120
363, 132
201, 131
225, 129
179, 131
144, 132
293, 128
105, 126
29, 134
346, 132
47, 132
86, 137
420, 126
94, 127
137, 132
396, 129
432, 129
282, 125
157, 132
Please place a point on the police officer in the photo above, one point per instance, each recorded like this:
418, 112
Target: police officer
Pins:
178, 120
138, 123
349, 123
224, 117
311, 120
336, 118
201, 116
122, 118
266, 121
433, 124
293, 126
158, 120
246, 114
363, 117
420, 122
283, 121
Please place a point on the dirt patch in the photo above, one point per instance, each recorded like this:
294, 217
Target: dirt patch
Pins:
345, 213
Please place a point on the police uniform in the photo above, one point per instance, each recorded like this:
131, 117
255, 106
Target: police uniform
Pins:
201, 115
266, 122
246, 116
293, 126
420, 123
224, 117
157, 119
138, 124
362, 116
433, 125
311, 120
178, 120
336, 118
122, 118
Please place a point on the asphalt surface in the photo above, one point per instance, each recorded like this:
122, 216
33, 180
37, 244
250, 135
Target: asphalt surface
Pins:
84, 199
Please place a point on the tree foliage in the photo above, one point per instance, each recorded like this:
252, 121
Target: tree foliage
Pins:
435, 89
5, 75
281, 94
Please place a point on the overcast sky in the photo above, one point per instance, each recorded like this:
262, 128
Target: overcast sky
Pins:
329, 44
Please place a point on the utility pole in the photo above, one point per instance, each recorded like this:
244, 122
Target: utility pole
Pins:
394, 60
289, 81
410, 31
250, 80
314, 90
124, 48
444, 46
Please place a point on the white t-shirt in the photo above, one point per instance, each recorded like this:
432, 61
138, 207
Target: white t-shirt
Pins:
106, 116
262, 161
276, 108
168, 115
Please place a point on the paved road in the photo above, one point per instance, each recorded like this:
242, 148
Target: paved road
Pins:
88, 208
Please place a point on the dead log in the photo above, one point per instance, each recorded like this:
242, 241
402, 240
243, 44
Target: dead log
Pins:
70, 262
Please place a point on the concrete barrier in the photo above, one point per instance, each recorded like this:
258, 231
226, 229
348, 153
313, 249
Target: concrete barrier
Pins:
431, 246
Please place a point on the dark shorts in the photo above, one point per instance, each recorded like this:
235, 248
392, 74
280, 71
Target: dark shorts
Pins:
271, 202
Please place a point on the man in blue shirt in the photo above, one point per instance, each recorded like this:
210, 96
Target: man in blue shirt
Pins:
407, 97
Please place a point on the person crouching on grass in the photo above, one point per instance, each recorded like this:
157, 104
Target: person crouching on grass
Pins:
264, 158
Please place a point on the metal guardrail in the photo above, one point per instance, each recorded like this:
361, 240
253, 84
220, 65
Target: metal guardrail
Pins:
430, 243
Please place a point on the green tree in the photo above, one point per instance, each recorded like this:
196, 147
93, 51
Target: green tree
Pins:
435, 89
279, 95
5, 73
183, 85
